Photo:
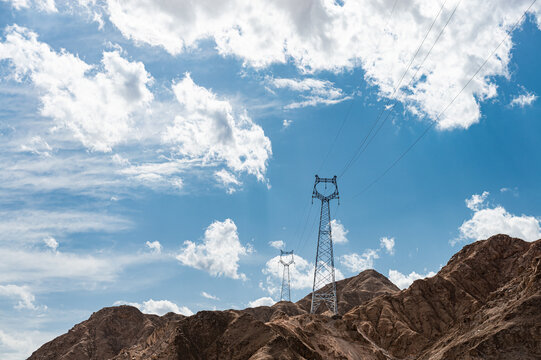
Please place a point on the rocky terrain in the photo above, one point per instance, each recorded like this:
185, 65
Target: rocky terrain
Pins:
354, 291
484, 304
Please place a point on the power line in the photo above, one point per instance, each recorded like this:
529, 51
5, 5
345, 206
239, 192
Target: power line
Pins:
434, 122
299, 223
362, 147
352, 102
309, 234
299, 241
336, 137
390, 112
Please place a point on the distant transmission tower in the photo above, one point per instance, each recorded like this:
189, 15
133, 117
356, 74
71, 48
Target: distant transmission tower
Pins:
285, 294
324, 268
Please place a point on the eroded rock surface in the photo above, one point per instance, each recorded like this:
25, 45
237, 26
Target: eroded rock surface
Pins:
484, 304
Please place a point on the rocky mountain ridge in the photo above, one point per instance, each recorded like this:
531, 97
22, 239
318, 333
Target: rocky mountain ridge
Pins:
484, 304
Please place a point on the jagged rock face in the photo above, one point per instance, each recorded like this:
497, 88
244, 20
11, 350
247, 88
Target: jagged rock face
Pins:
484, 304
103, 335
354, 291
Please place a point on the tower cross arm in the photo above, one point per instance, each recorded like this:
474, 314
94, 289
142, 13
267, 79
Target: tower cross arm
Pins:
317, 195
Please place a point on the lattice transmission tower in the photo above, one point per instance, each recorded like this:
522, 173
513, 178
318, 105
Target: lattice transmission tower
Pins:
285, 260
324, 268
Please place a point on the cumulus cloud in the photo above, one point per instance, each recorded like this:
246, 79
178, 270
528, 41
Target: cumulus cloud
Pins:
21, 293
339, 232
487, 221
93, 111
523, 100
387, 243
330, 35
278, 244
262, 301
313, 91
209, 296
158, 307
155, 246
208, 127
95, 103
218, 253
403, 281
476, 201
357, 263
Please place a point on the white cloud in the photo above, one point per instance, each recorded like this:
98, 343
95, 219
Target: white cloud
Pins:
339, 232
302, 274
228, 180
21, 293
158, 307
209, 296
277, 244
40, 267
51, 243
207, 127
17, 345
514, 191
286, 123
155, 246
95, 104
404, 281
387, 243
34, 225
330, 35
42, 5
313, 91
83, 173
219, 253
523, 100
262, 301
487, 221
357, 263
476, 201
38, 146
108, 107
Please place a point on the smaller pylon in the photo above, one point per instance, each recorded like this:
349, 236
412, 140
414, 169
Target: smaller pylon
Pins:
285, 294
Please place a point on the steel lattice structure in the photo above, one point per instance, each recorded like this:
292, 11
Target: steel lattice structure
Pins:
286, 285
324, 267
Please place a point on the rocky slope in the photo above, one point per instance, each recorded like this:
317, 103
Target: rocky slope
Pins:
354, 291
484, 304
104, 334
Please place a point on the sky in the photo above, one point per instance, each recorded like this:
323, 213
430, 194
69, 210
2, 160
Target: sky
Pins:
160, 154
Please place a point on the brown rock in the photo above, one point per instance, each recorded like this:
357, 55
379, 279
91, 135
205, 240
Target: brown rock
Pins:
103, 335
484, 304
354, 291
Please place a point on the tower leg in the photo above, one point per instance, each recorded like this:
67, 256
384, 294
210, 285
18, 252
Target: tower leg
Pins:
324, 286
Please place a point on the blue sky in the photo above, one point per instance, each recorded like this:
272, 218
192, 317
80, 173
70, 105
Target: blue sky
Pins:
161, 155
